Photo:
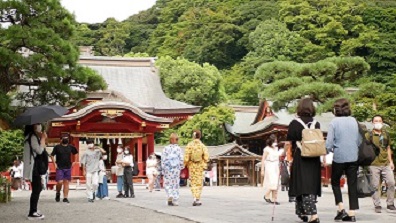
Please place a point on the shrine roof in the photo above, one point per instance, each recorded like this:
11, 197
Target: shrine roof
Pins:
137, 80
112, 105
243, 122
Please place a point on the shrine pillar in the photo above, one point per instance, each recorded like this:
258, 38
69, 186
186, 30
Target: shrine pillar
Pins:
140, 156
150, 143
75, 141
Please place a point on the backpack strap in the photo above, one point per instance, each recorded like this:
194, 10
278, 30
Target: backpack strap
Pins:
313, 123
302, 123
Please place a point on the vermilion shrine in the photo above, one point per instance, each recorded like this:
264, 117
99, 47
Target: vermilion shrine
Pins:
129, 112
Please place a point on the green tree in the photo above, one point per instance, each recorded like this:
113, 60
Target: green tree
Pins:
37, 53
11, 146
381, 57
211, 123
190, 82
336, 25
203, 35
141, 27
111, 38
323, 81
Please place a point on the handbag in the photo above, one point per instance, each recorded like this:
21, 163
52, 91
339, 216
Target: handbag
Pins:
364, 187
135, 170
367, 150
184, 173
40, 166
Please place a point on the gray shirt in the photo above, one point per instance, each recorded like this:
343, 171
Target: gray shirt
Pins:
90, 160
343, 139
28, 157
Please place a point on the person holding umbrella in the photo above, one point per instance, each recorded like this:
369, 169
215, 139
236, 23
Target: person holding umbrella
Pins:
34, 145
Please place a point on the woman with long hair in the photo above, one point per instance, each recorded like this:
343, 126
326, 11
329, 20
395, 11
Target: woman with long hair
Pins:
127, 163
270, 165
34, 145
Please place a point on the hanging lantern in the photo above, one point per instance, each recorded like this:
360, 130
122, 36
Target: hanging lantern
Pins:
119, 141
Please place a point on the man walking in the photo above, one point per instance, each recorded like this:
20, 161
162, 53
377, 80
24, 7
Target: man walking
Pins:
63, 153
196, 158
90, 163
383, 165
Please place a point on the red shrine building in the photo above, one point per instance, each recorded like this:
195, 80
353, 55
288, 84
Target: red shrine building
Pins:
131, 110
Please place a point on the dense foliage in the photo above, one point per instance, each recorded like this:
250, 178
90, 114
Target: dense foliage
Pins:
235, 51
37, 55
189, 82
210, 122
11, 147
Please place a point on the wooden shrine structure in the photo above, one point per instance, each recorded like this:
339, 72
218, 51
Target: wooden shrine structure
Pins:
129, 112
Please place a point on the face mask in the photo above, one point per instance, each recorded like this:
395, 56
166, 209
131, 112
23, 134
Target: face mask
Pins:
378, 126
119, 150
65, 141
126, 152
105, 157
274, 144
39, 128
90, 146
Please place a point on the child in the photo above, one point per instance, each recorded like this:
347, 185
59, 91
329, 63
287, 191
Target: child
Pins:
103, 190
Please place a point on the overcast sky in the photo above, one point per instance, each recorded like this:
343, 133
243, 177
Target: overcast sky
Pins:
95, 11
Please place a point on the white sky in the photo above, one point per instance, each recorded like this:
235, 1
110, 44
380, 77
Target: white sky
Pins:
95, 11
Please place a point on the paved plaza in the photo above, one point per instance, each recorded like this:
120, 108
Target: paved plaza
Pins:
220, 205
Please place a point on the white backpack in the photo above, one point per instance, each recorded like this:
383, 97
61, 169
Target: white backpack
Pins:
312, 143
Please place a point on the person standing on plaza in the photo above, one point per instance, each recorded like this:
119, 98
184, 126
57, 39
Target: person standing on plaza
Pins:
305, 177
16, 175
90, 163
172, 163
127, 163
157, 180
34, 144
151, 170
62, 153
270, 165
120, 171
196, 158
382, 166
343, 140
103, 189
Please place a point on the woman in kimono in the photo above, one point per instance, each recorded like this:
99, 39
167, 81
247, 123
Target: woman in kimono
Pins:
172, 163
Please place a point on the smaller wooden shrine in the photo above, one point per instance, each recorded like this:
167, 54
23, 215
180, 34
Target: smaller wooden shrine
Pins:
235, 165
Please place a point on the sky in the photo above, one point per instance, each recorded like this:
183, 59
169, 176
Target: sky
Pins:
97, 11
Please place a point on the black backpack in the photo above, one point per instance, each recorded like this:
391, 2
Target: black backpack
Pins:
367, 150
135, 170
40, 161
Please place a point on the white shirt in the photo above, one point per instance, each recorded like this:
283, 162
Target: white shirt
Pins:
17, 171
128, 159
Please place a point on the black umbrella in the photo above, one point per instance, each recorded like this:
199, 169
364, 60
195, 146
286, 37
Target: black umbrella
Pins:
40, 114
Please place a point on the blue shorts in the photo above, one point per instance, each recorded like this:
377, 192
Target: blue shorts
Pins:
64, 174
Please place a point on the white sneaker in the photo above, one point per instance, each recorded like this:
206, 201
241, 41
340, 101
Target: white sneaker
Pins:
97, 199
36, 216
106, 198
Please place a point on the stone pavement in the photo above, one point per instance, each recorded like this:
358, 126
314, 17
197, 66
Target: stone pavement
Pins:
220, 204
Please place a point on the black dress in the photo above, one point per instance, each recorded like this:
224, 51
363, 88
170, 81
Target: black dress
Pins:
305, 177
